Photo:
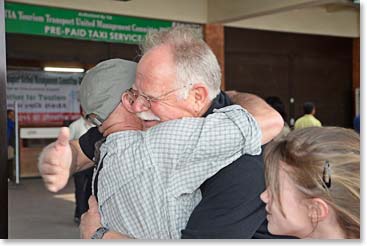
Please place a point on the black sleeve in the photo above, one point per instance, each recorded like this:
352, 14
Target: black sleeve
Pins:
88, 140
231, 205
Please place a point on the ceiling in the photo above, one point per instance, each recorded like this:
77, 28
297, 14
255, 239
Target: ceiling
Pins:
324, 17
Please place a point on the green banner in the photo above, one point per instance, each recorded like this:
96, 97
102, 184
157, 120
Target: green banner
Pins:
65, 23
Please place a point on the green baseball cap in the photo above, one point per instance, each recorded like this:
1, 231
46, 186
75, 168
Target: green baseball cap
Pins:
103, 85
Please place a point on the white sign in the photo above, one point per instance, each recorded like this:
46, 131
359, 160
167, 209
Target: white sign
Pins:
43, 97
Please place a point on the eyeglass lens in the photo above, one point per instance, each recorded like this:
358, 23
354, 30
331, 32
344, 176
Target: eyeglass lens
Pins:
133, 97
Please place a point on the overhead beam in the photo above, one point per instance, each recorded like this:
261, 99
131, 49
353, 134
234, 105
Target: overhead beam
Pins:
176, 10
316, 21
220, 11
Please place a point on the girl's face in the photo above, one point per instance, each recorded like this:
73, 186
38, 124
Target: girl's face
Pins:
296, 221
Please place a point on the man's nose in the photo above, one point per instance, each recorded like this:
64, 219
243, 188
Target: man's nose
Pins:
139, 106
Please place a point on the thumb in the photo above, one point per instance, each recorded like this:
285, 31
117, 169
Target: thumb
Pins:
93, 205
63, 138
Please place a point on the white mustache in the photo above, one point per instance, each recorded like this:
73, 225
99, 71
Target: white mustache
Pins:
147, 115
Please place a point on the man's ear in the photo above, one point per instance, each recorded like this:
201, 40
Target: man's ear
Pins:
318, 209
125, 103
199, 93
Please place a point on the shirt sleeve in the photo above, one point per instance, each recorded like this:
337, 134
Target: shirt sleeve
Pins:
72, 131
200, 147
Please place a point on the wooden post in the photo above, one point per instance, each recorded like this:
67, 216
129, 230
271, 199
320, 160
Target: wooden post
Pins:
356, 69
214, 37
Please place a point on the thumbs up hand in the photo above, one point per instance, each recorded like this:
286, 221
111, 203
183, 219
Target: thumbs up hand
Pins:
55, 161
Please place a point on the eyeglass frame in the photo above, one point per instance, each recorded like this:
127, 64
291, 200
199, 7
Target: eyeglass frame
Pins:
150, 99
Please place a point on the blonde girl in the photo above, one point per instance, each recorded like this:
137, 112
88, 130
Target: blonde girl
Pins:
313, 184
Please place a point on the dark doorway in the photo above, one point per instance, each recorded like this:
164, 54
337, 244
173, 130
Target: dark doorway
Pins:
294, 67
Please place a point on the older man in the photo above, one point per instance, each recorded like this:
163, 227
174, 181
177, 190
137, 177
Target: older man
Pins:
180, 77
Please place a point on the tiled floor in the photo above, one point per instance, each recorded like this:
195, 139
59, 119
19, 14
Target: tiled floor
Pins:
35, 213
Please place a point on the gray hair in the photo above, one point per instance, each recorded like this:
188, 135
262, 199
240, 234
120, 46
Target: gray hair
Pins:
195, 61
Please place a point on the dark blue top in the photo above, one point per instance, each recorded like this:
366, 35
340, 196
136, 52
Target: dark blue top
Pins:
10, 132
356, 123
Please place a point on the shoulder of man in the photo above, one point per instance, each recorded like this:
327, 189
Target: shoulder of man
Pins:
88, 140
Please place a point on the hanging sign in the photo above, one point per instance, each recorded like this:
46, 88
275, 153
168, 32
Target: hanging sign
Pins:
43, 97
66, 23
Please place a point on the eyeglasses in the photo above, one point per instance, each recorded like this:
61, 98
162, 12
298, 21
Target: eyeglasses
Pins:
132, 96
94, 119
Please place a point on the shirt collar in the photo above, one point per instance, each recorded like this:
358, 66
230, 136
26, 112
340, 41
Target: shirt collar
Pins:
222, 100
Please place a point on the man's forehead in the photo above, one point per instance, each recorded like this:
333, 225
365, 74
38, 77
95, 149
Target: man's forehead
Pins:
156, 68
150, 84
143, 85
139, 80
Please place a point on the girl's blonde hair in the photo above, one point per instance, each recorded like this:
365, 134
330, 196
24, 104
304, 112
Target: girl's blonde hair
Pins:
308, 152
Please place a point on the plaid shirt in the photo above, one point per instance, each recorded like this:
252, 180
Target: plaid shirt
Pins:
150, 180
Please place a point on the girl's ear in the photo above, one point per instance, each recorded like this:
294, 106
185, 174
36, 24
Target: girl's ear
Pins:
318, 210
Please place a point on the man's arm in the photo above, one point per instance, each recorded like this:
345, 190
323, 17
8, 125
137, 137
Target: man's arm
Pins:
270, 121
200, 147
115, 235
60, 159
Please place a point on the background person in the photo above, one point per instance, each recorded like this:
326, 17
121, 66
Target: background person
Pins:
357, 124
308, 119
278, 105
10, 134
313, 184
58, 161
83, 179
